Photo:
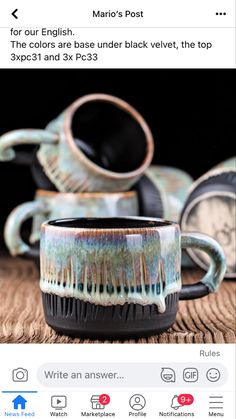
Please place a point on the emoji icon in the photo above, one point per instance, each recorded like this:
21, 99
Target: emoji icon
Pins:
213, 375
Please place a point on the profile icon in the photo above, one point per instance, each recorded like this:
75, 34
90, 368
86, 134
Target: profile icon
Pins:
137, 402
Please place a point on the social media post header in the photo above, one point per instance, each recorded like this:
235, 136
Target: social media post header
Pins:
158, 14
91, 35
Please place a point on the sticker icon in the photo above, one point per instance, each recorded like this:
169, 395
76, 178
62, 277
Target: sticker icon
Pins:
168, 375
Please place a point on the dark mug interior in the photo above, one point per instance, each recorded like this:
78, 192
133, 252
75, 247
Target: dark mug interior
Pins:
112, 135
109, 223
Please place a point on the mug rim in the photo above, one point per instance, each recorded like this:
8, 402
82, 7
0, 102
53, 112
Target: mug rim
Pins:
125, 194
158, 223
125, 107
215, 172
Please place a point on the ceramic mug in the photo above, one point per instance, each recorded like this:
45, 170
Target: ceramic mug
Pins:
119, 277
211, 209
99, 143
162, 192
50, 205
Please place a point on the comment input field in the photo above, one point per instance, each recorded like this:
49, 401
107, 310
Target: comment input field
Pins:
131, 375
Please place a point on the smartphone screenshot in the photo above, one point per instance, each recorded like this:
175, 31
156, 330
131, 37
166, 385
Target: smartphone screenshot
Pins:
117, 209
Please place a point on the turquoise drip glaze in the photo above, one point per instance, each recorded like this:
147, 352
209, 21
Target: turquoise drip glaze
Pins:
108, 267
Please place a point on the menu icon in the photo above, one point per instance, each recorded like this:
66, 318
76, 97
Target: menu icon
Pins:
216, 403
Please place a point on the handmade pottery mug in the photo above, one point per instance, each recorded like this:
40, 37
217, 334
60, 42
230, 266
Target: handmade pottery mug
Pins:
211, 209
99, 143
162, 192
50, 205
118, 277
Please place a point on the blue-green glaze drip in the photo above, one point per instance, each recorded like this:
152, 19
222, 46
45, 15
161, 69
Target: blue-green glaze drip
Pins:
111, 267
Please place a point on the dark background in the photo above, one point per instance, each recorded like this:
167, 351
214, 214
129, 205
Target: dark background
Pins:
190, 113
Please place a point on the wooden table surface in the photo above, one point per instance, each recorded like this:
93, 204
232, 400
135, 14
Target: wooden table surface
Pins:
207, 320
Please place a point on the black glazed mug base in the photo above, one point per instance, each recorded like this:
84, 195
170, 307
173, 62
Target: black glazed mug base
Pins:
76, 318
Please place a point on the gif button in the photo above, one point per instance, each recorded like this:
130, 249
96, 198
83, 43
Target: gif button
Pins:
190, 375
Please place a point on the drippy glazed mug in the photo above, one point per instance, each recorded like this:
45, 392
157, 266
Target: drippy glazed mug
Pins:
99, 143
119, 277
162, 192
210, 208
50, 205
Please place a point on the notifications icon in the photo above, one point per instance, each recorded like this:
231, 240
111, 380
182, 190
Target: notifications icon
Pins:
168, 375
175, 404
185, 399
181, 400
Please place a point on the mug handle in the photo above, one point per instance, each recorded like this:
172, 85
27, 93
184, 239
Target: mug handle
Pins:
24, 136
215, 274
12, 229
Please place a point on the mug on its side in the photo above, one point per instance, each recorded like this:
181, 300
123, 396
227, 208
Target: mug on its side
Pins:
211, 209
89, 147
162, 192
118, 277
50, 205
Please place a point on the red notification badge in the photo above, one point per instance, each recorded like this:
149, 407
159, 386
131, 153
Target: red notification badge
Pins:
104, 399
185, 399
